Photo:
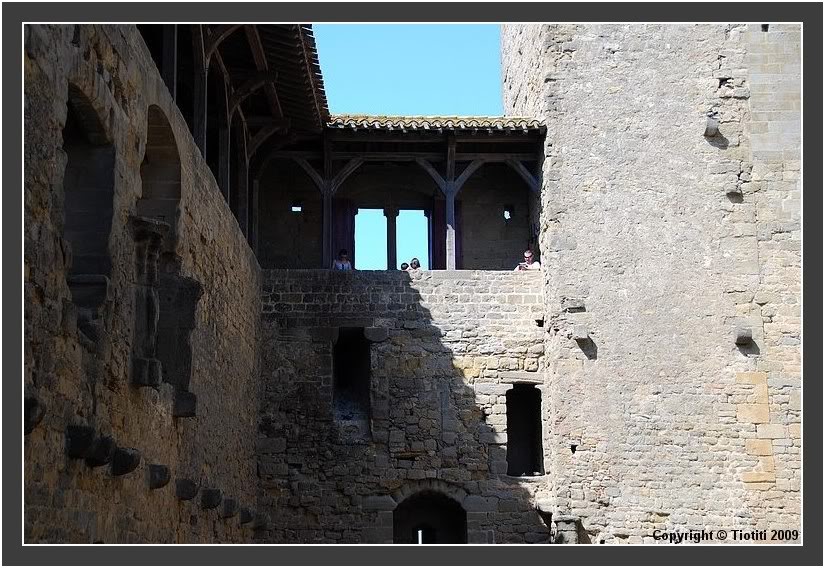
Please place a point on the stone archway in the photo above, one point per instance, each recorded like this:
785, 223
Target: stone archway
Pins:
429, 517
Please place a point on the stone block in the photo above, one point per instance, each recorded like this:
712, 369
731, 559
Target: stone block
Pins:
743, 336
752, 378
159, 475
246, 515
211, 498
771, 431
34, 410
80, 440
185, 405
758, 476
376, 334
102, 453
230, 508
125, 460
186, 489
759, 447
476, 503
752, 413
379, 503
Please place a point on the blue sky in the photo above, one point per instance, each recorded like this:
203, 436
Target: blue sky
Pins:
407, 69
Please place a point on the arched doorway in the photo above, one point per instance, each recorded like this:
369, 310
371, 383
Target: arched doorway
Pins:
160, 176
429, 517
88, 194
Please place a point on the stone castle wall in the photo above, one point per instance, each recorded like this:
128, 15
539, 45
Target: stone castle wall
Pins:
79, 372
445, 347
667, 239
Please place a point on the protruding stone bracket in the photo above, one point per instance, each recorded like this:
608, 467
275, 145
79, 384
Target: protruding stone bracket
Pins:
148, 234
211, 498
125, 460
572, 305
34, 410
567, 529
743, 335
230, 508
581, 333
711, 127
186, 489
376, 334
80, 441
185, 405
159, 475
247, 515
102, 452
146, 372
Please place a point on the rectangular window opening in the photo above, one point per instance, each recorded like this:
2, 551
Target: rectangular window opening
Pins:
351, 375
412, 238
524, 444
371, 239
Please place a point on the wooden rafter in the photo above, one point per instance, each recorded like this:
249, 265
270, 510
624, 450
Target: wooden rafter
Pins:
261, 64
248, 87
216, 35
531, 180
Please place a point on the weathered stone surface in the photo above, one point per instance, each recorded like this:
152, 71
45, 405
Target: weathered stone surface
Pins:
666, 311
79, 331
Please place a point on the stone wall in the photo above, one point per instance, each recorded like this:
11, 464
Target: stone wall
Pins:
445, 346
666, 243
81, 359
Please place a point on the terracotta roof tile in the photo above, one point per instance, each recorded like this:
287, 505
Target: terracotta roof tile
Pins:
379, 122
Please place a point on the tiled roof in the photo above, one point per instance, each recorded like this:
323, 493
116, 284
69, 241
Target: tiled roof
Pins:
377, 122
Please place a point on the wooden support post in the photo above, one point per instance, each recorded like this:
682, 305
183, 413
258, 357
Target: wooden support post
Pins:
242, 191
170, 57
326, 234
199, 90
253, 217
449, 194
450, 210
391, 213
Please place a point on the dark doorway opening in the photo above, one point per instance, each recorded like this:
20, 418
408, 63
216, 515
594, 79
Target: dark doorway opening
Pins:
429, 517
88, 190
524, 452
351, 375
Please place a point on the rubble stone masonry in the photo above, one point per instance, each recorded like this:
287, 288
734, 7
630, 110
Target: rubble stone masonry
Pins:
104, 455
445, 347
671, 220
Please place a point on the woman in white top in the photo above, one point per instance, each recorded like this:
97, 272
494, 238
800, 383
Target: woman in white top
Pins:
342, 262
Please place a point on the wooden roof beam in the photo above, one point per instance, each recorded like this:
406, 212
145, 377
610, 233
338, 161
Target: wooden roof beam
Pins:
259, 57
248, 87
216, 35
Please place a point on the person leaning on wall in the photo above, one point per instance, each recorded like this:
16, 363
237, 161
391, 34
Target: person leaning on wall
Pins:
342, 262
529, 263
